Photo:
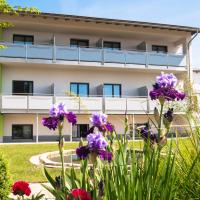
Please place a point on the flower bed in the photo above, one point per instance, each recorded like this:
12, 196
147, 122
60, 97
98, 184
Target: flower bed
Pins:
109, 169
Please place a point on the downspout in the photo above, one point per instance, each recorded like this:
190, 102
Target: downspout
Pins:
189, 60
190, 71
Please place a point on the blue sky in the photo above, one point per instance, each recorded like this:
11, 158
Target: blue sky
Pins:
180, 12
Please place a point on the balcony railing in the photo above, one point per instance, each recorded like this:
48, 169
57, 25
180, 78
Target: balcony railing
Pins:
84, 105
64, 53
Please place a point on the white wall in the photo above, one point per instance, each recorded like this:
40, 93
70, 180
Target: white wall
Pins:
44, 77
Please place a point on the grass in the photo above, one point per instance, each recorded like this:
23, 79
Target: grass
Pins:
18, 156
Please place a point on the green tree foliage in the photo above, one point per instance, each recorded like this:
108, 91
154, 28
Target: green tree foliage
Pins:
5, 8
4, 179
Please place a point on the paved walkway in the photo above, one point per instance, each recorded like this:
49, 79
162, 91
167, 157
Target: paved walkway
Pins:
36, 188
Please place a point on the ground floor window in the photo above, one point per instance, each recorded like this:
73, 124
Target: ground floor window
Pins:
22, 131
80, 130
22, 87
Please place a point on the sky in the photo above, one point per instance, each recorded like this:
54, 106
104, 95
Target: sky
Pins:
179, 12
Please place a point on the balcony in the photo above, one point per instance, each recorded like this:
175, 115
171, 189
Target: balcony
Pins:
89, 55
81, 105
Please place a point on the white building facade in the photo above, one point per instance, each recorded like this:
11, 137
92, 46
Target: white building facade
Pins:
90, 64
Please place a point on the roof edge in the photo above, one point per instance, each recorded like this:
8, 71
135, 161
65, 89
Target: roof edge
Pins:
190, 29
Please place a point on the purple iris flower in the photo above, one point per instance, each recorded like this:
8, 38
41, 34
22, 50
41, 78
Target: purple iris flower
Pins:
71, 117
165, 88
50, 122
168, 93
98, 119
83, 152
166, 80
109, 127
58, 110
105, 155
147, 134
96, 141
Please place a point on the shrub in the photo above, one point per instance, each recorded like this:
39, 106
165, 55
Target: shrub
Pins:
4, 179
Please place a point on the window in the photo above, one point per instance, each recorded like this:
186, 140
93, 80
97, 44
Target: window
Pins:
79, 89
22, 131
22, 87
79, 43
112, 45
159, 49
80, 130
23, 39
112, 90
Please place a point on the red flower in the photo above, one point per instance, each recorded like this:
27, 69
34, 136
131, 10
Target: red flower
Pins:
79, 194
21, 188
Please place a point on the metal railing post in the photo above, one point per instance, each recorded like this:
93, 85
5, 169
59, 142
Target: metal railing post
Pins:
146, 59
103, 56
54, 53
27, 103
79, 55
103, 104
37, 128
167, 60
26, 52
125, 57
79, 101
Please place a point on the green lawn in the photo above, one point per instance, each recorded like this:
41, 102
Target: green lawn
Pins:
18, 156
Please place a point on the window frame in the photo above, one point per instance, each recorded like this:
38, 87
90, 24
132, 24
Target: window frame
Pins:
14, 138
112, 42
24, 37
30, 93
79, 83
113, 84
79, 40
160, 46
77, 126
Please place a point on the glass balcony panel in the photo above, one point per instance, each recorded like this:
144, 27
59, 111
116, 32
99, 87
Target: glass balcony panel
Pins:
176, 60
114, 56
133, 57
157, 59
90, 55
40, 102
13, 51
66, 53
14, 102
40, 52
91, 104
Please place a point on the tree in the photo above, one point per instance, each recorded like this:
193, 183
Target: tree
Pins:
5, 7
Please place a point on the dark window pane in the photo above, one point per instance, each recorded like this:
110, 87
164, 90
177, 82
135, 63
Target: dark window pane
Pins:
83, 90
112, 45
22, 87
23, 39
108, 90
80, 130
22, 131
159, 48
79, 43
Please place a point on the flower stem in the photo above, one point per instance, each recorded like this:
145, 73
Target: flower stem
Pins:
61, 151
160, 121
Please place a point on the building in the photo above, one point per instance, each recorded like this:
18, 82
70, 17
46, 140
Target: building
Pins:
90, 64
